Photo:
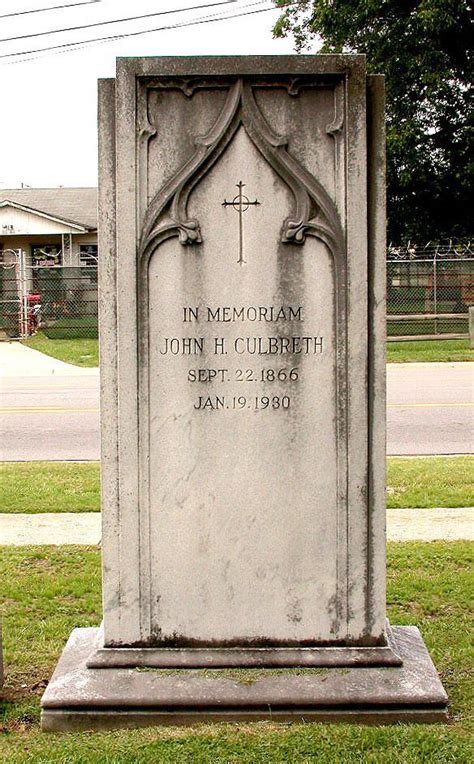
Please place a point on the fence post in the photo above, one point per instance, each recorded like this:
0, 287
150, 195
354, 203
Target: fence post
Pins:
435, 293
23, 295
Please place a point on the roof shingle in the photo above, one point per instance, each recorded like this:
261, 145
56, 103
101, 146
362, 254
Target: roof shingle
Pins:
76, 205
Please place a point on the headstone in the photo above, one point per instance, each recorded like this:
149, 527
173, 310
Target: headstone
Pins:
243, 402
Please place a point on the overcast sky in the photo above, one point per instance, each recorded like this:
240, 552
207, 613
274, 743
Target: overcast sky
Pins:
48, 131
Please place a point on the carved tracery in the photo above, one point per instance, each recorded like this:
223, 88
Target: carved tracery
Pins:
315, 213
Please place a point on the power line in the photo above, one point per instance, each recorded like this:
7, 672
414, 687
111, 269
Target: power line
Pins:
50, 8
203, 20
114, 21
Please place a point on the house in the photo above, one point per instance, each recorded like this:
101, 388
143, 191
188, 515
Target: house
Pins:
48, 261
52, 226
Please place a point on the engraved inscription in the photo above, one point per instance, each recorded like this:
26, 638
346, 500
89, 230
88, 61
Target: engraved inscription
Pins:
225, 314
242, 345
216, 402
240, 203
280, 376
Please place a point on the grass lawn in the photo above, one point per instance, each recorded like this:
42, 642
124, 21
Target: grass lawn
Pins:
430, 481
417, 327
429, 350
74, 487
49, 487
47, 591
83, 351
83, 327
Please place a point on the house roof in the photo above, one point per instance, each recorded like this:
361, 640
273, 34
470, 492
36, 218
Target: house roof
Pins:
72, 205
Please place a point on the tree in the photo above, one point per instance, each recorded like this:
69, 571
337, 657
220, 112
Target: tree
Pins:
423, 47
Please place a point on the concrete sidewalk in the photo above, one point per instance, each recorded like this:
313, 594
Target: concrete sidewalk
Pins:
17, 360
448, 524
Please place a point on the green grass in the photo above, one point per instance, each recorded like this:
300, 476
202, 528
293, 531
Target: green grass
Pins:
420, 327
49, 487
47, 591
71, 327
430, 482
74, 487
80, 351
429, 350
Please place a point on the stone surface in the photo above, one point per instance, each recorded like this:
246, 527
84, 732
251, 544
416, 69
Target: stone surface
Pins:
83, 698
242, 316
244, 657
435, 523
243, 441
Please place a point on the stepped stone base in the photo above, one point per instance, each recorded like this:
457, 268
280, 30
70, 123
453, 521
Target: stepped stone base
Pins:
80, 698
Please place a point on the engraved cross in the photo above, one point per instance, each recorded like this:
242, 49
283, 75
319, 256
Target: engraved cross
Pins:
240, 203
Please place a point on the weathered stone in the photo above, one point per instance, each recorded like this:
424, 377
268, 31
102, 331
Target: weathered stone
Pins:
84, 698
242, 314
242, 346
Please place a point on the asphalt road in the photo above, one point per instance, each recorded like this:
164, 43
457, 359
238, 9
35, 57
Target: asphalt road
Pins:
430, 408
50, 418
430, 411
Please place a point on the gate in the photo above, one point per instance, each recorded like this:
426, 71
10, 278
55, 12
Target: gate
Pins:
13, 295
59, 300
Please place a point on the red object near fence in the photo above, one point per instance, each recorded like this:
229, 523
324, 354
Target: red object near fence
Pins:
33, 312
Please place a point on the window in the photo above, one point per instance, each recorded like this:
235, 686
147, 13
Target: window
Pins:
45, 254
88, 254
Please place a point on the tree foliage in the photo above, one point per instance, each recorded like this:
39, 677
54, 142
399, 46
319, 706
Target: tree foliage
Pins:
423, 47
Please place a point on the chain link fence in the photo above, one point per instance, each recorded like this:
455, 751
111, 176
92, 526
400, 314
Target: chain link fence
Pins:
12, 299
60, 301
429, 290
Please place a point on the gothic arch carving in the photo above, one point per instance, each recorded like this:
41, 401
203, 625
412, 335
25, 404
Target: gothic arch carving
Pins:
315, 214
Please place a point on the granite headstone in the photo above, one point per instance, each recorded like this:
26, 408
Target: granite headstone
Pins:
243, 402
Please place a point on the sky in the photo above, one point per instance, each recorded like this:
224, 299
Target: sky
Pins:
48, 126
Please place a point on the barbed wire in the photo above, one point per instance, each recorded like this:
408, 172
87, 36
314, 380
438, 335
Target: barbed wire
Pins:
450, 248
462, 249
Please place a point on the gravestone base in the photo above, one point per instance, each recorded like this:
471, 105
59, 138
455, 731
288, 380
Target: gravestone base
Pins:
220, 657
80, 698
